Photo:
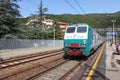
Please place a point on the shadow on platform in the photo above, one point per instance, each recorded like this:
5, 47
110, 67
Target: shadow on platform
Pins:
116, 53
97, 75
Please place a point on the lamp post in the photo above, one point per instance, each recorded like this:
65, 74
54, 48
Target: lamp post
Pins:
54, 33
113, 21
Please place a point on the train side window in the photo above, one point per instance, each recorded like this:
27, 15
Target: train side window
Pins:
91, 39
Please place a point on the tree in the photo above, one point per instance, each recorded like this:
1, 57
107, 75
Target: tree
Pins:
41, 12
36, 22
9, 27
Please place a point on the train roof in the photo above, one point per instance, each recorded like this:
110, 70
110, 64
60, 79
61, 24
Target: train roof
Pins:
79, 24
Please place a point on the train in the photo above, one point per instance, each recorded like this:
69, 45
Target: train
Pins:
81, 40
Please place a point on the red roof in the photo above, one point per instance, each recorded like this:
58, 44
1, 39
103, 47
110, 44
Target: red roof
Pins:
61, 23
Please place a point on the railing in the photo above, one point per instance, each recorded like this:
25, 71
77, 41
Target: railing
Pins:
107, 29
25, 43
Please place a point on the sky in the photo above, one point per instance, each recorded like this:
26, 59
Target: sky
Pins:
28, 7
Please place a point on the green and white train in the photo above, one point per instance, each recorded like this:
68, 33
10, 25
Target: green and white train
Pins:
80, 40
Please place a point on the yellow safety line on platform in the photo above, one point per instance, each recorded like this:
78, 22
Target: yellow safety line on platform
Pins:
95, 65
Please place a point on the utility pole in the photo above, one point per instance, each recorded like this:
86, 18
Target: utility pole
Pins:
54, 25
40, 19
113, 33
40, 12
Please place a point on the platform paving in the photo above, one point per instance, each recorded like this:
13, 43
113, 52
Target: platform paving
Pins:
112, 66
108, 67
6, 54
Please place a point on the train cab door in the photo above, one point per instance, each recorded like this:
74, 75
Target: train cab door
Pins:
90, 36
94, 39
88, 45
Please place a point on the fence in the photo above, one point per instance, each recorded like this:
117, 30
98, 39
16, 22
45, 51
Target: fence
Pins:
25, 43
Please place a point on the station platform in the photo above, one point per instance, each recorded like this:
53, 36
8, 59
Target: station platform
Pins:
112, 63
7, 54
108, 67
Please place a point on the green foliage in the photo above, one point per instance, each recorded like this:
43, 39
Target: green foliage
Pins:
95, 20
22, 21
58, 32
9, 26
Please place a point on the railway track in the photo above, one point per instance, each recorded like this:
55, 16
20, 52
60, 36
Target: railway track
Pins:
61, 71
21, 60
66, 70
37, 76
46, 67
71, 72
57, 72
12, 67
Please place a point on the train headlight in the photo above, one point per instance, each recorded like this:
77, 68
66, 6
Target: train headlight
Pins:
66, 44
84, 42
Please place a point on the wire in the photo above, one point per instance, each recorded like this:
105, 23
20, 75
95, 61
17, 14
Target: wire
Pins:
72, 6
34, 3
25, 9
79, 6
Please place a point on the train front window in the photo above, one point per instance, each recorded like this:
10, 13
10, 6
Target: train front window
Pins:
70, 30
81, 29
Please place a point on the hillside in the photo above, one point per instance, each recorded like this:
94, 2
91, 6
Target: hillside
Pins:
95, 20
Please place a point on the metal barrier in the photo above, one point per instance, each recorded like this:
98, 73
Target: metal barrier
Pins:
25, 43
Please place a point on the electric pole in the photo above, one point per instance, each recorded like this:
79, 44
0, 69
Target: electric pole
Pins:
40, 12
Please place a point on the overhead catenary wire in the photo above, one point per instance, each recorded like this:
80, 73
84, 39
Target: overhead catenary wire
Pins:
86, 16
36, 5
33, 3
80, 6
25, 9
72, 6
